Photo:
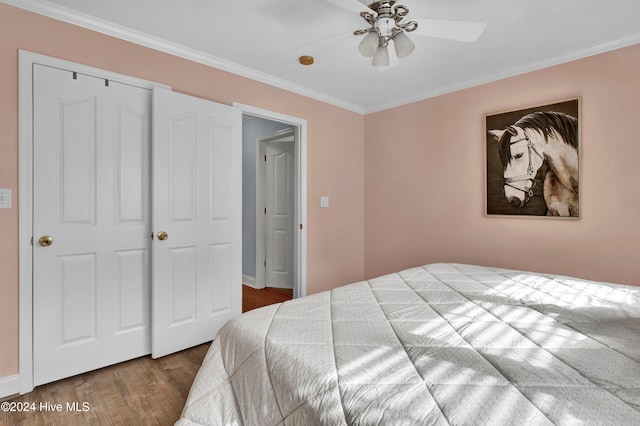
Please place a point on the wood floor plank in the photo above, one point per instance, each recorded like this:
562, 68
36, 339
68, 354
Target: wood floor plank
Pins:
143, 391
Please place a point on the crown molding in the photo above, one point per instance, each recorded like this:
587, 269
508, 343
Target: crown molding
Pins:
535, 66
72, 17
108, 28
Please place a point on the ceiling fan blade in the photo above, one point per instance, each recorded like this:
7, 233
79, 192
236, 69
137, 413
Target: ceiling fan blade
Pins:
450, 30
325, 43
352, 6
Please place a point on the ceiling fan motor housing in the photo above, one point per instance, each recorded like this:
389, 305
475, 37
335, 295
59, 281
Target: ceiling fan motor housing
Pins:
387, 20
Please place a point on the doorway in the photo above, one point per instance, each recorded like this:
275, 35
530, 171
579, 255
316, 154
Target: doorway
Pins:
261, 128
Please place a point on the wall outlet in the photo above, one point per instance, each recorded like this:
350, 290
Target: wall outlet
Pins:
5, 198
324, 201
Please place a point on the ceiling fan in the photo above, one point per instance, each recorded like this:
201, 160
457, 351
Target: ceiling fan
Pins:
388, 24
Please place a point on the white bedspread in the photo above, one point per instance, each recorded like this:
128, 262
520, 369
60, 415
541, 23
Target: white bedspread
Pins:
440, 344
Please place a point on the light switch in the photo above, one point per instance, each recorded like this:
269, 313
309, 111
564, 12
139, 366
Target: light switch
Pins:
324, 201
5, 198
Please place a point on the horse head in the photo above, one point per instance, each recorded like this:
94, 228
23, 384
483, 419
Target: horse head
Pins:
521, 157
536, 138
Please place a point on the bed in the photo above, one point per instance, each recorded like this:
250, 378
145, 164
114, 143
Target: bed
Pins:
441, 344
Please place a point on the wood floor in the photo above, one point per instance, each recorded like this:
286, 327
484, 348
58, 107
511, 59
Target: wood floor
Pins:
143, 391
252, 298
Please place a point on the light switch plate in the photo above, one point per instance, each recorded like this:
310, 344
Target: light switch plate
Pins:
324, 201
5, 198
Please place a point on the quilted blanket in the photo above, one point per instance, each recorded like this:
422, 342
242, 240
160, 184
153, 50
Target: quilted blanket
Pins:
442, 344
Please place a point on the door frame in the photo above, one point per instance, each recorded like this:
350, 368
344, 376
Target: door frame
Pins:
300, 190
26, 62
261, 142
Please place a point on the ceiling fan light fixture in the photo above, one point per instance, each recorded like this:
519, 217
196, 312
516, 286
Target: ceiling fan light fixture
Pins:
381, 57
403, 45
369, 44
388, 24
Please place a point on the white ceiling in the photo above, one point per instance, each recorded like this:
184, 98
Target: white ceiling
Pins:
262, 39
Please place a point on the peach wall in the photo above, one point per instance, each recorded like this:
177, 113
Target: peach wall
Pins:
335, 143
424, 178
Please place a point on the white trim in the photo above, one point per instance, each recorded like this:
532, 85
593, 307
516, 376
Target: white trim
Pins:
249, 281
259, 240
300, 239
25, 199
70, 16
9, 386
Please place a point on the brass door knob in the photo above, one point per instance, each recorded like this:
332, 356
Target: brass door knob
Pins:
162, 235
45, 241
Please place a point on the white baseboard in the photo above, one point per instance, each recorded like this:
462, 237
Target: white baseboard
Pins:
9, 386
249, 281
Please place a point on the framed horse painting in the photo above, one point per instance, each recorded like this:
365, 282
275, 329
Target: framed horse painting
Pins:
533, 161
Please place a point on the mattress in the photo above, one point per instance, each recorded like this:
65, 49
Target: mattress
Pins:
441, 344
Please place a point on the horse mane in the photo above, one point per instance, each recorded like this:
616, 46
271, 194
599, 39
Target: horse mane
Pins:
545, 122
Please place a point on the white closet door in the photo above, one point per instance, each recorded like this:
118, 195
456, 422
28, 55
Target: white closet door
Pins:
91, 292
197, 196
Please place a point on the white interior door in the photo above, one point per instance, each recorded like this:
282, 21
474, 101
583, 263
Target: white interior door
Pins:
90, 287
279, 211
197, 198
91, 293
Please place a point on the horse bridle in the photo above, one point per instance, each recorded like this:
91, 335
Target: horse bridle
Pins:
531, 173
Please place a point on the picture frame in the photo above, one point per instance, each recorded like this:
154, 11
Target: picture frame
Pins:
532, 159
